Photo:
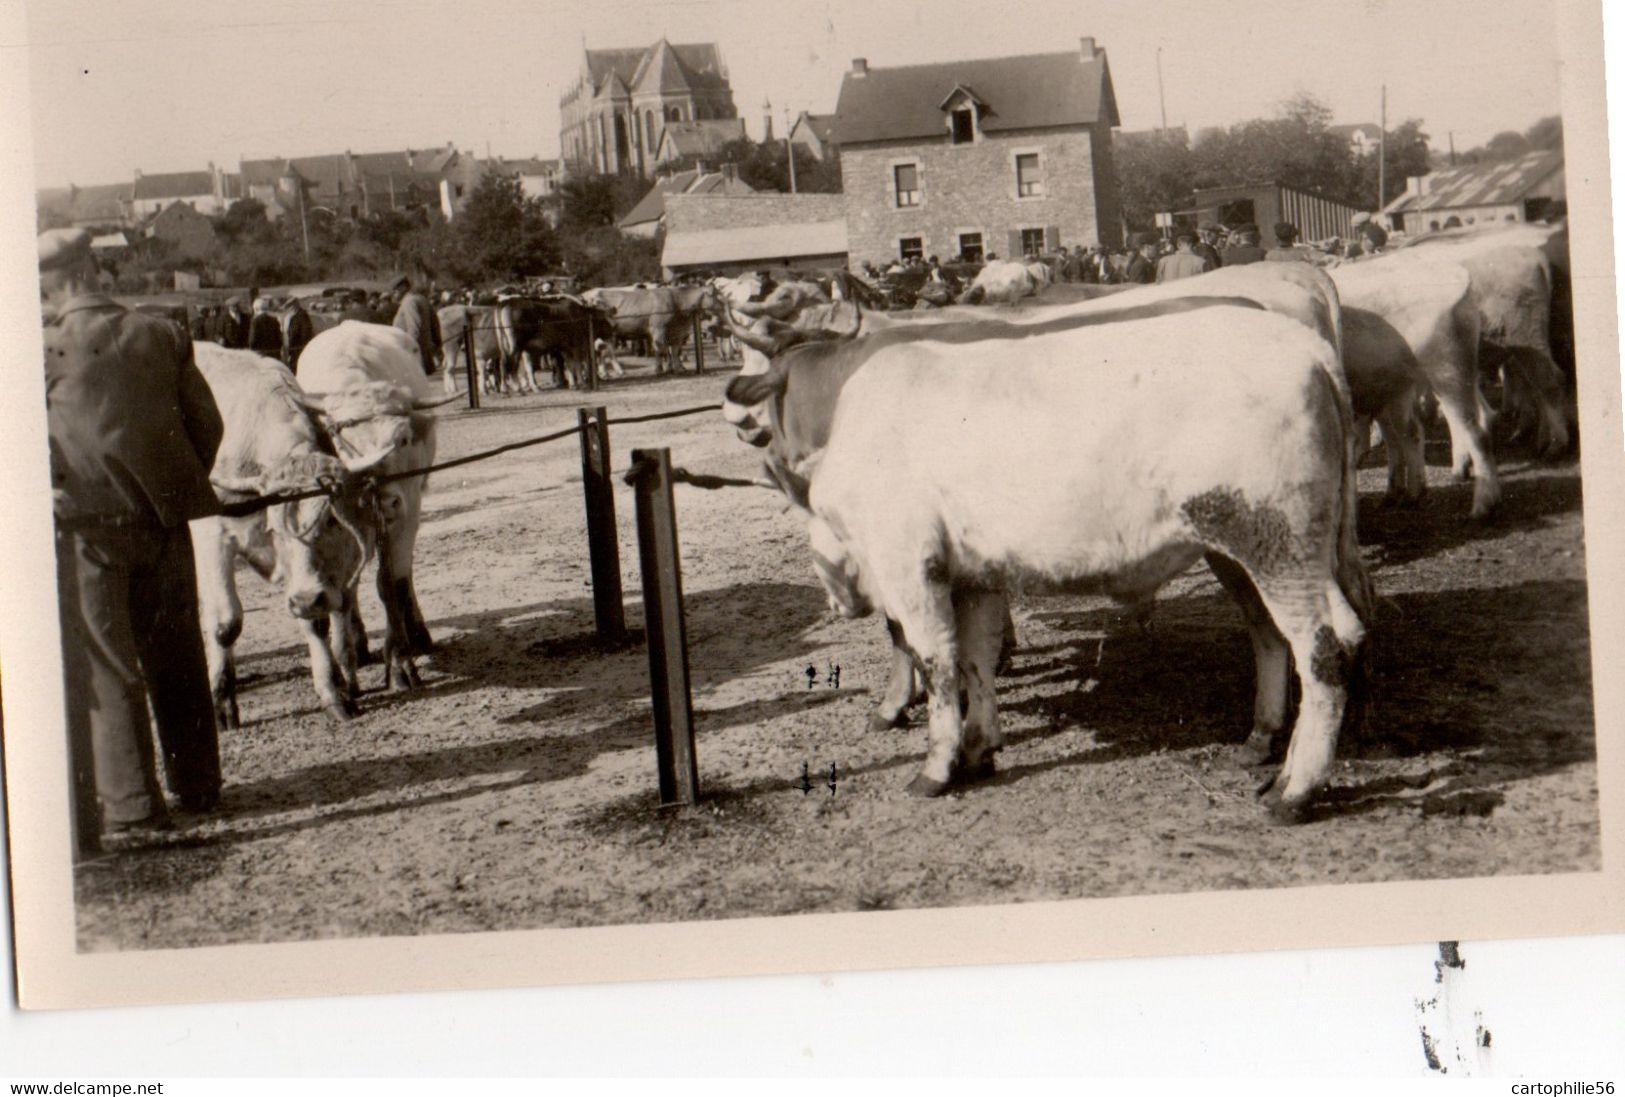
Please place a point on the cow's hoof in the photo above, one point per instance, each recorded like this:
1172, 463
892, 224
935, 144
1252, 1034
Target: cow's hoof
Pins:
342, 712
926, 786
879, 721
1257, 750
970, 773
405, 677
1285, 812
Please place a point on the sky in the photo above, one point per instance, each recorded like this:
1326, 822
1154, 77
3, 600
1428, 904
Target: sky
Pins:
167, 85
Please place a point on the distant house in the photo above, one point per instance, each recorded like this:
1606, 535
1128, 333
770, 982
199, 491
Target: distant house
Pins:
729, 233
104, 206
969, 158
1526, 188
187, 232
203, 191
110, 245
645, 218
613, 117
814, 132
702, 140
1364, 138
350, 185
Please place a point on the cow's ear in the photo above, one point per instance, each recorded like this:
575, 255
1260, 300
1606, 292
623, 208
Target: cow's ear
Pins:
750, 390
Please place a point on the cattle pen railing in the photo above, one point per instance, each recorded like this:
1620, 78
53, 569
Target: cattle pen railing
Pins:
652, 477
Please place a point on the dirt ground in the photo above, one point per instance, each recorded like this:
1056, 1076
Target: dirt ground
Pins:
517, 788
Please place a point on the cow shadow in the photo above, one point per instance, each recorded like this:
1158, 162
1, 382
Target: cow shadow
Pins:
1497, 681
1531, 497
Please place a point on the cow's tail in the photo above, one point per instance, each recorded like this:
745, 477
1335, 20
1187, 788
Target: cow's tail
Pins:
1355, 583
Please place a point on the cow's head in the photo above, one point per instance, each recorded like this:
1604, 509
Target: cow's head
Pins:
763, 339
371, 421
323, 542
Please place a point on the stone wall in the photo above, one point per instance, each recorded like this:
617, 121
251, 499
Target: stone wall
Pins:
701, 212
972, 188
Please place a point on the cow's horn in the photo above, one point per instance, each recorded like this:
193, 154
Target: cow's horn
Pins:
850, 330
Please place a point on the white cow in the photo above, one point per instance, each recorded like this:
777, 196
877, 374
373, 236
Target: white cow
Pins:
1002, 281
367, 384
314, 549
1217, 431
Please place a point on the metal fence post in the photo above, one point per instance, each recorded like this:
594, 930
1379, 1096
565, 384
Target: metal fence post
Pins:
603, 548
699, 345
667, 631
468, 361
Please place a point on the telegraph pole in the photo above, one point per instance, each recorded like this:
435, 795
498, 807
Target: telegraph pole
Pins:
1161, 103
304, 230
789, 150
1382, 153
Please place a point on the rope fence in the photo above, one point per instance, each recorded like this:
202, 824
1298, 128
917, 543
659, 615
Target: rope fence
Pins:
244, 507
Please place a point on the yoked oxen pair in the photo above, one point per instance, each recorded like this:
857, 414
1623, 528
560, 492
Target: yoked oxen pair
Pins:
314, 549
366, 383
1168, 433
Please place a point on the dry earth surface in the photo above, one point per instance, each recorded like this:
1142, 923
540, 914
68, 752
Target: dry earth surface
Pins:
517, 788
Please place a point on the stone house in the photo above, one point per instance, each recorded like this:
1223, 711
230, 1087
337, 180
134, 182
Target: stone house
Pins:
972, 158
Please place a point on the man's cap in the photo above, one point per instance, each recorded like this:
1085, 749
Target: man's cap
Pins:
1285, 231
62, 248
1184, 234
1141, 239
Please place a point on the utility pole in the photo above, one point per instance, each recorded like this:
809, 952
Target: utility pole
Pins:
1382, 153
304, 230
1161, 103
789, 150
1452, 148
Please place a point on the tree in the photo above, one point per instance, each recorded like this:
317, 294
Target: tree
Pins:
245, 220
1506, 145
599, 200
1546, 134
1154, 174
501, 233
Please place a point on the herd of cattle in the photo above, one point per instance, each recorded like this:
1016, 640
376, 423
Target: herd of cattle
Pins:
947, 459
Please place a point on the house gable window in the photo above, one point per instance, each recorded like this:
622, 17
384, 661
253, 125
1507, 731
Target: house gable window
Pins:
964, 126
1029, 175
906, 185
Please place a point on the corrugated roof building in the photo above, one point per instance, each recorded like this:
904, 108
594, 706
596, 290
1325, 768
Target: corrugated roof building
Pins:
730, 233
1526, 188
969, 159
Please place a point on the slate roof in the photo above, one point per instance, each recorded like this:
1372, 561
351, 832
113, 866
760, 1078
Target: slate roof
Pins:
174, 184
692, 66
652, 206
1033, 91
822, 125
1481, 184
100, 203
703, 136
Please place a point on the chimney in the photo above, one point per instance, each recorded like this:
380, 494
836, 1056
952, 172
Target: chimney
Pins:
1413, 186
1088, 49
767, 120
860, 66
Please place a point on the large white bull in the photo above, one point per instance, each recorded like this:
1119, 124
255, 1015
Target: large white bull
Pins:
1216, 430
367, 385
314, 549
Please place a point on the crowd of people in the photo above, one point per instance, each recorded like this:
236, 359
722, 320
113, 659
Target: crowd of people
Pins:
1148, 258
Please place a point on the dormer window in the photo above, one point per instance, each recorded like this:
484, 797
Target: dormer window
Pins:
965, 110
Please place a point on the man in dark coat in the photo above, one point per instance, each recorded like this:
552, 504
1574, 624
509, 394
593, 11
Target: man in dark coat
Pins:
133, 431
1245, 249
415, 316
1207, 245
1142, 268
297, 330
234, 325
265, 331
